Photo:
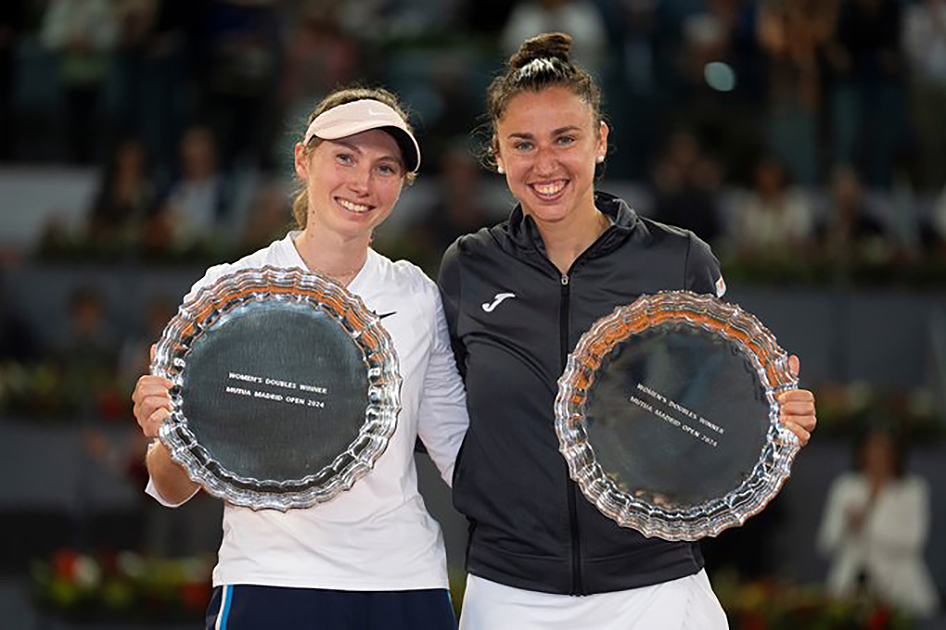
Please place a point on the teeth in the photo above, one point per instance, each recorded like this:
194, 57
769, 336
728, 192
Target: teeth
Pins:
354, 207
549, 189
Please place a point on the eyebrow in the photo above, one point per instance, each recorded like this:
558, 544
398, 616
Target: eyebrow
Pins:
557, 132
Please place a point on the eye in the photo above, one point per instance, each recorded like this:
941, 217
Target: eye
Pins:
389, 169
522, 145
345, 158
565, 140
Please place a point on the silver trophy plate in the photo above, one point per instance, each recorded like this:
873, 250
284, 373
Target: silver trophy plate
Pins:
667, 415
286, 388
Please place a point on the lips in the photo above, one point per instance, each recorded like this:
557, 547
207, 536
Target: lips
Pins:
549, 190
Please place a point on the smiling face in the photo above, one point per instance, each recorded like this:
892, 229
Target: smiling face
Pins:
548, 143
352, 183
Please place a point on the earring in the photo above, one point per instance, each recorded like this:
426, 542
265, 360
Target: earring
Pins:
600, 159
500, 169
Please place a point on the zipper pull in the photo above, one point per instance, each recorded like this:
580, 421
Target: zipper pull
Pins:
564, 279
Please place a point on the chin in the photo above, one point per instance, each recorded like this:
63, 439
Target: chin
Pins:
550, 213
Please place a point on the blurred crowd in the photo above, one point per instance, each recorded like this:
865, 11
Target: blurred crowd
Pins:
789, 128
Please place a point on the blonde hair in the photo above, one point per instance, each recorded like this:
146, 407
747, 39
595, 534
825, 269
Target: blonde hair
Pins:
300, 203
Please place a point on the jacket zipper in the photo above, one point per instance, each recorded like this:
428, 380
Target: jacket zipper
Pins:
577, 586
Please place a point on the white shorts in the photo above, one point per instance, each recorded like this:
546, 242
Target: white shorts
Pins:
684, 604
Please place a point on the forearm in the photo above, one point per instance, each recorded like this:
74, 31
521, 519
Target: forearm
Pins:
169, 479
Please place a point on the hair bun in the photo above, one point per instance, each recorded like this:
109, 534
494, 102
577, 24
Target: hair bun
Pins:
544, 46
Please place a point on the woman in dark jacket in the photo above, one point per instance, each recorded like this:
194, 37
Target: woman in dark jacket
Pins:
517, 297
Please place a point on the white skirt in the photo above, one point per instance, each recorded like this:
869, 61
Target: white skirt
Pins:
687, 603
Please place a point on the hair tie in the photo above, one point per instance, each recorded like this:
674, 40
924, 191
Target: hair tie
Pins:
539, 65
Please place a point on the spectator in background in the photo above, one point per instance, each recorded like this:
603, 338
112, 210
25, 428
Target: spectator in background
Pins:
579, 18
380, 21
148, 92
875, 525
319, 55
270, 215
88, 358
714, 96
126, 198
852, 230
245, 62
934, 233
869, 99
84, 34
635, 28
197, 207
134, 20
686, 186
443, 95
17, 341
773, 219
459, 208
134, 358
793, 34
924, 40
11, 21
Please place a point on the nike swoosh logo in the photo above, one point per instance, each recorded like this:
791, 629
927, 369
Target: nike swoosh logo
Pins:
489, 308
383, 315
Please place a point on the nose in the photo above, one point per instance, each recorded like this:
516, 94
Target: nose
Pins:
545, 162
360, 180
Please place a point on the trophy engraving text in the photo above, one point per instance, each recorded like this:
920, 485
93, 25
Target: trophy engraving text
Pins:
663, 415
275, 396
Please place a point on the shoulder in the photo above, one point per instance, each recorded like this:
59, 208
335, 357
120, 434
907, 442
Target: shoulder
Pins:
475, 243
914, 484
470, 248
406, 278
667, 235
848, 483
675, 242
260, 258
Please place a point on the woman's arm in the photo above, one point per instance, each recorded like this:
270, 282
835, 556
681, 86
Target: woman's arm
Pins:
168, 483
443, 418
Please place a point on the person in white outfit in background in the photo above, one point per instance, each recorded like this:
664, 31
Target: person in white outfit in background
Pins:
875, 526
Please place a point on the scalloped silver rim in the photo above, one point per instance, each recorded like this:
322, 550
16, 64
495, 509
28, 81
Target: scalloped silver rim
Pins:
710, 517
275, 284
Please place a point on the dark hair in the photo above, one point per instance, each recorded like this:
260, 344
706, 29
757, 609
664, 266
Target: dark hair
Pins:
300, 204
85, 295
898, 445
541, 62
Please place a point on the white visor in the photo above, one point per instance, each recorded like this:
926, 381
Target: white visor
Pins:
357, 116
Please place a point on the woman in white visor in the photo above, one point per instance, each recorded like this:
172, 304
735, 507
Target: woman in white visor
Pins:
372, 557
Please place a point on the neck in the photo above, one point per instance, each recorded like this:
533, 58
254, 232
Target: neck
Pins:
331, 254
565, 240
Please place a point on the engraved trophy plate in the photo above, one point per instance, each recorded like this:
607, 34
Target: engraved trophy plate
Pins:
286, 388
667, 415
